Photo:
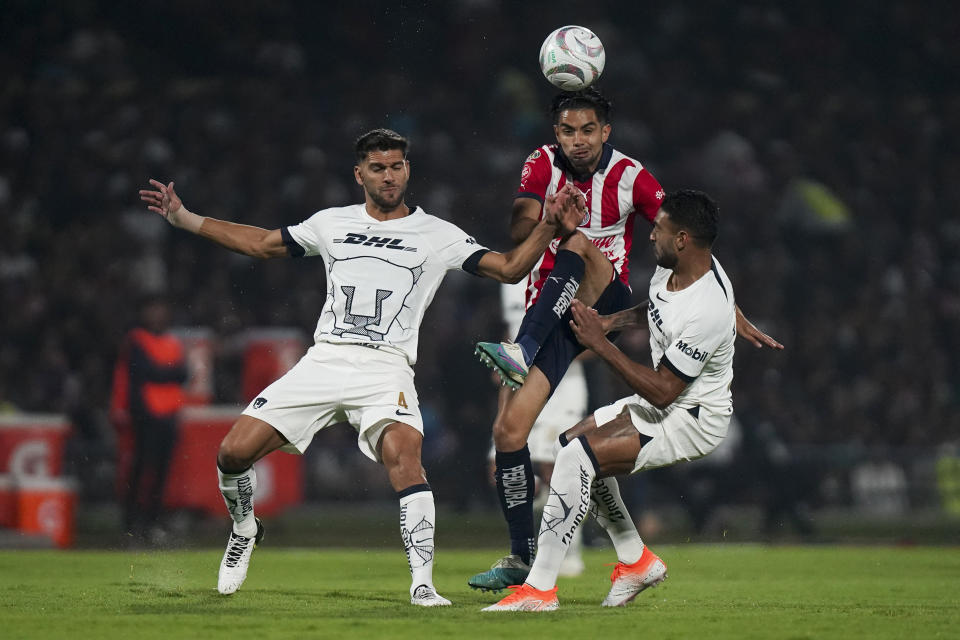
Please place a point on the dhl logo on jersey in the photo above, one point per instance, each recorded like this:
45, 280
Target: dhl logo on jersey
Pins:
382, 242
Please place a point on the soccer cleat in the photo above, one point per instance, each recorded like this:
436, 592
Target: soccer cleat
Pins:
526, 598
507, 571
627, 580
236, 560
427, 596
506, 358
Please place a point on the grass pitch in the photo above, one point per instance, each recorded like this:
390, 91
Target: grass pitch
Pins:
718, 591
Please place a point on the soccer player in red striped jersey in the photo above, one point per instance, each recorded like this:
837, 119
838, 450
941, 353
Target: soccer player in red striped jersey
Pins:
591, 265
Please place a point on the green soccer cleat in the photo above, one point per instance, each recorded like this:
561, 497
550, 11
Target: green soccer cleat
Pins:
506, 358
508, 571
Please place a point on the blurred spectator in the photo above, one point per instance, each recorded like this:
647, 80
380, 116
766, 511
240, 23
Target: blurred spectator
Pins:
147, 397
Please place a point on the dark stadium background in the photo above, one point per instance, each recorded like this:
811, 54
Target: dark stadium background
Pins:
827, 131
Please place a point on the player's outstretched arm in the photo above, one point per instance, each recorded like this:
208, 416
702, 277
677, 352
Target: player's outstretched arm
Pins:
757, 338
563, 213
524, 218
626, 318
255, 242
660, 387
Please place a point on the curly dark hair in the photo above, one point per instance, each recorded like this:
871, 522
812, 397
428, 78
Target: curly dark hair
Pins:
589, 98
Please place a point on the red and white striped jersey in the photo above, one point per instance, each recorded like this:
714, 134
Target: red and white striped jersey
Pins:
617, 191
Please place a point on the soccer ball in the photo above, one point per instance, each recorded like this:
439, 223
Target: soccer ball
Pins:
572, 58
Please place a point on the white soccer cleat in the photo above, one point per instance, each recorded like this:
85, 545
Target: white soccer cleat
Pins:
526, 598
236, 560
427, 596
630, 579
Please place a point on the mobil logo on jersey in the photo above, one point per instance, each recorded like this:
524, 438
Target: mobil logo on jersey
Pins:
692, 352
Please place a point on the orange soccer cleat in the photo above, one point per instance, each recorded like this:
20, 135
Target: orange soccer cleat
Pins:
630, 579
526, 598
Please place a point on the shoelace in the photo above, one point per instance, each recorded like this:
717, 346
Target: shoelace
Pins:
238, 544
423, 592
618, 570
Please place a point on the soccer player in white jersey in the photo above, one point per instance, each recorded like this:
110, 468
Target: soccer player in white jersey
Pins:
681, 409
591, 265
384, 261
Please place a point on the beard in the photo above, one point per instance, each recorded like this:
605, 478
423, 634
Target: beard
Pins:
387, 203
666, 260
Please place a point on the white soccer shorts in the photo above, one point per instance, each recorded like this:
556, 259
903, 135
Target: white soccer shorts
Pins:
676, 434
332, 383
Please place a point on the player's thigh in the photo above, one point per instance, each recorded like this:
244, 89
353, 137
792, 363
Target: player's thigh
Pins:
385, 395
248, 440
399, 443
616, 445
598, 270
520, 410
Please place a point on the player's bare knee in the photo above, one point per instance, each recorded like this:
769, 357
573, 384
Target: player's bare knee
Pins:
508, 434
232, 460
586, 425
578, 243
405, 469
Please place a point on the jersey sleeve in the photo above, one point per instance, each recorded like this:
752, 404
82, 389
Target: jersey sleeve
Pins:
699, 338
303, 239
457, 249
535, 176
647, 194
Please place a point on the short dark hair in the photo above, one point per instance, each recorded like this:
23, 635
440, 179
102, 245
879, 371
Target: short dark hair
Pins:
589, 98
380, 140
696, 213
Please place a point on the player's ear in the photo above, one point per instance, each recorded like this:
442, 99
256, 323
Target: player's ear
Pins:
605, 132
356, 174
406, 169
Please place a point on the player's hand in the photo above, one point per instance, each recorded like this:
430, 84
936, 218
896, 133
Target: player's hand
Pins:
586, 325
747, 330
565, 209
164, 200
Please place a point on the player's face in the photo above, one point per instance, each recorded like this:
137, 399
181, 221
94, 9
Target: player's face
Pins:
384, 176
664, 239
581, 136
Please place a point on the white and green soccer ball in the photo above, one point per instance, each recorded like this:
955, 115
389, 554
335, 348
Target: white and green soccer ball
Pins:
572, 58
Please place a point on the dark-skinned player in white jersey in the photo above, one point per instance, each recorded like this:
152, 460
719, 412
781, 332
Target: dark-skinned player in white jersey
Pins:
680, 410
590, 265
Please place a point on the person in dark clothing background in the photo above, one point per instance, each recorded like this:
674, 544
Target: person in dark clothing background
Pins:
147, 396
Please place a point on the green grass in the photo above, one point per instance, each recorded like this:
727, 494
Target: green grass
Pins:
717, 591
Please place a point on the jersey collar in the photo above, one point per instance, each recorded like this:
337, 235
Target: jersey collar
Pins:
560, 161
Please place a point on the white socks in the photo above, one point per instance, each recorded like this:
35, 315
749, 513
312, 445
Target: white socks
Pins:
417, 521
608, 508
566, 508
237, 490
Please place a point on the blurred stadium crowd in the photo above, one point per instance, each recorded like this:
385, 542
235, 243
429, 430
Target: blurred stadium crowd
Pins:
827, 131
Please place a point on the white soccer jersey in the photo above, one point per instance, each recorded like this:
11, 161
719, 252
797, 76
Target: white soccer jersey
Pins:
381, 275
692, 332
